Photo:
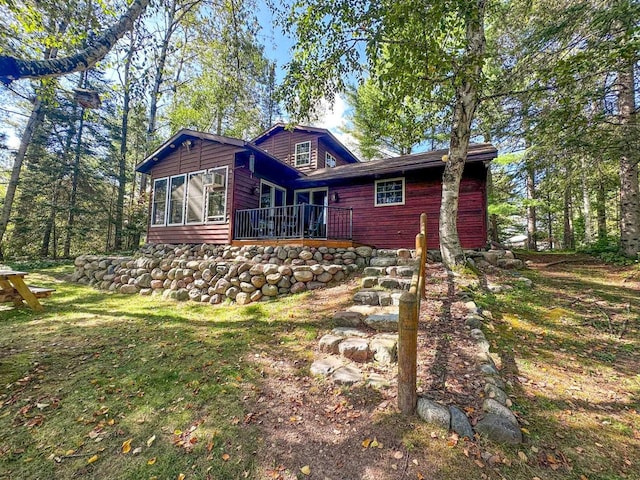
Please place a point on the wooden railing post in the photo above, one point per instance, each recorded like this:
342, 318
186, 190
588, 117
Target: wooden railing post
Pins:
407, 353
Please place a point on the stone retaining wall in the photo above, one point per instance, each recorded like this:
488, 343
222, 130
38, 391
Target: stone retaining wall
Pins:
213, 274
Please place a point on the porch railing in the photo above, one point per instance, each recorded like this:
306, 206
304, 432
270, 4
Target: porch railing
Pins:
294, 221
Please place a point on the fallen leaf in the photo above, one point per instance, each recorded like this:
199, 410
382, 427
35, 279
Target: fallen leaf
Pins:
523, 456
92, 459
420, 476
582, 477
374, 443
152, 439
398, 455
306, 470
70, 452
181, 476
126, 446
151, 461
225, 457
111, 421
137, 450
366, 442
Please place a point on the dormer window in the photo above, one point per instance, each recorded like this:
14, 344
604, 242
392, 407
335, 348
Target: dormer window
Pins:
303, 154
329, 160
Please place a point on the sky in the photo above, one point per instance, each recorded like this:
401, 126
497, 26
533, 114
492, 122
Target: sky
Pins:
278, 48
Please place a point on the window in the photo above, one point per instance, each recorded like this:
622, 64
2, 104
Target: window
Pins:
215, 182
303, 153
271, 195
177, 190
159, 208
329, 160
389, 192
195, 198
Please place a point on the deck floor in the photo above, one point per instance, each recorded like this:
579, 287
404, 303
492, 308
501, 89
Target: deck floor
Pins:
297, 242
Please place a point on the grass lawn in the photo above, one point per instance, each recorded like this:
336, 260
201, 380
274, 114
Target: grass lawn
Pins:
111, 386
96, 370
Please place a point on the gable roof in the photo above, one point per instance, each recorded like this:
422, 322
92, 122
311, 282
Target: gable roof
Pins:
344, 152
184, 134
478, 152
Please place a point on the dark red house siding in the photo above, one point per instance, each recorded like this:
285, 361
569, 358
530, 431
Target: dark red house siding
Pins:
323, 148
396, 226
200, 155
282, 145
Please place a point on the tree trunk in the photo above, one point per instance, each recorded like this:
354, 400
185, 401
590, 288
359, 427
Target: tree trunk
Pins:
567, 236
586, 203
532, 242
75, 174
468, 80
122, 160
159, 76
14, 68
34, 122
601, 211
492, 223
629, 193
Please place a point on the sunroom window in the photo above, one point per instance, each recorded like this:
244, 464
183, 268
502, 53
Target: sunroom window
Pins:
215, 182
159, 208
177, 192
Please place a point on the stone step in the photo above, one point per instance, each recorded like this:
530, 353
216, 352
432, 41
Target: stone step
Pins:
387, 282
383, 298
359, 346
366, 310
383, 323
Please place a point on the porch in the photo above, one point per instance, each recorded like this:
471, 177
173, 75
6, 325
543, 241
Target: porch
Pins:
302, 224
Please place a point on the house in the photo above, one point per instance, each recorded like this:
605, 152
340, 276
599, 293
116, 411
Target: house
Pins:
302, 185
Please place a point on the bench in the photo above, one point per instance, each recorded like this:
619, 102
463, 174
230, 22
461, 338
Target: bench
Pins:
11, 294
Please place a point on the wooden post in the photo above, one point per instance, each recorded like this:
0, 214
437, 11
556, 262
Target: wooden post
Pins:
407, 353
421, 257
423, 261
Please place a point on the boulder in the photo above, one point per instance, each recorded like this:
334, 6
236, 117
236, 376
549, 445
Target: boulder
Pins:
499, 429
347, 375
303, 276
325, 366
433, 412
460, 423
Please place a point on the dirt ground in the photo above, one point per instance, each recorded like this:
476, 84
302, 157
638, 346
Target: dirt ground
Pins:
311, 422
311, 428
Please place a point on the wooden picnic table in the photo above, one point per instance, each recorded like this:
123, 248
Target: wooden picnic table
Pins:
13, 289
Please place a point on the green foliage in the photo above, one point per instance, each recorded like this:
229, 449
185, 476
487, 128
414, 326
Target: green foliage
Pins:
608, 250
383, 126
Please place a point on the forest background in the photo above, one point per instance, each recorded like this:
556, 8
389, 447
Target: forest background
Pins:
554, 86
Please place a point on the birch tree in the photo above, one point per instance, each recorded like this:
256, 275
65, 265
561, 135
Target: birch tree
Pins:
420, 50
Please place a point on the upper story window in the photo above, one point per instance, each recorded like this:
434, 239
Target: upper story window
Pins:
329, 160
389, 192
303, 154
